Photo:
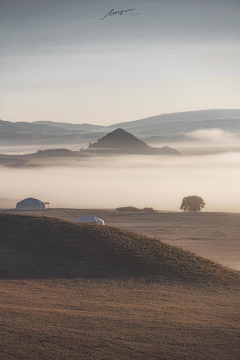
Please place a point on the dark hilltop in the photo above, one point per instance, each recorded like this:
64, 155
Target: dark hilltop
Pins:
122, 142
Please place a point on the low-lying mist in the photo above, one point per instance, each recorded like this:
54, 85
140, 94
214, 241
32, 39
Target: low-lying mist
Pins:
143, 181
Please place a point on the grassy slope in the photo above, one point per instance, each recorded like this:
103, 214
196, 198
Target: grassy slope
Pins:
46, 247
88, 316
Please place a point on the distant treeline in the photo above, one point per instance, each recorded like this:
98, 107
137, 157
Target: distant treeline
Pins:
134, 209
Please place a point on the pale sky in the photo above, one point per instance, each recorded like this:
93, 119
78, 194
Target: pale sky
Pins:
60, 62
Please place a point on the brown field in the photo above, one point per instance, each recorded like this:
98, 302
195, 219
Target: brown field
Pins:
64, 296
113, 319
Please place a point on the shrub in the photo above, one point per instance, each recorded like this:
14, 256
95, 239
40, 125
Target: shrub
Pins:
134, 209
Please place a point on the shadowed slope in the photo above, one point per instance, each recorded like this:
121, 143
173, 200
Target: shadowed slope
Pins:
46, 247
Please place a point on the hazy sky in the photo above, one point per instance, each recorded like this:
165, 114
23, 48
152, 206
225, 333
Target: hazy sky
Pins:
60, 62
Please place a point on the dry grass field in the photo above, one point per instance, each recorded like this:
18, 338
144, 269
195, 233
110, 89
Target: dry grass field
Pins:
79, 291
114, 319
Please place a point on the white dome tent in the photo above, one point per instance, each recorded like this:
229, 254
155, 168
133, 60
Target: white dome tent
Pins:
30, 204
90, 218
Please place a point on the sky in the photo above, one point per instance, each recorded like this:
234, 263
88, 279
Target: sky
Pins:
60, 62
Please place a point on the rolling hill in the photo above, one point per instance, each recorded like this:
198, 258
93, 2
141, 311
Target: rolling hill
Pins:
41, 247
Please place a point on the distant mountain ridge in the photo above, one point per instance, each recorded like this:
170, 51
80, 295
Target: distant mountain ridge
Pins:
199, 115
170, 125
70, 126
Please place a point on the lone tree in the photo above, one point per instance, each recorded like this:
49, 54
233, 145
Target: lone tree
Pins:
192, 204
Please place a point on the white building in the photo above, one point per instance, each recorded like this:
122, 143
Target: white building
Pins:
90, 219
30, 204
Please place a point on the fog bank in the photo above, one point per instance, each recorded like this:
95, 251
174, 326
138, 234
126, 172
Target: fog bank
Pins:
156, 181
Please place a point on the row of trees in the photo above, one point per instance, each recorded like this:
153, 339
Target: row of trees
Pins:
134, 209
189, 204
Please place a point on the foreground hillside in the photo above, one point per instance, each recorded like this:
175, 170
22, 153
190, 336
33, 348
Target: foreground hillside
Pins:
48, 248
74, 291
212, 235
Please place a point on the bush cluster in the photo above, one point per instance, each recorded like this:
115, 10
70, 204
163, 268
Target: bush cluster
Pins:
134, 209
